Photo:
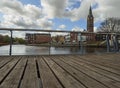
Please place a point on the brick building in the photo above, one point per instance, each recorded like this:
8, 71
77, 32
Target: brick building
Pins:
37, 38
73, 37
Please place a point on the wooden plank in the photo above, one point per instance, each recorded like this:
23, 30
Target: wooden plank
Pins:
100, 60
13, 79
4, 60
106, 81
1, 58
47, 77
102, 66
66, 79
30, 78
7, 69
113, 58
96, 69
85, 79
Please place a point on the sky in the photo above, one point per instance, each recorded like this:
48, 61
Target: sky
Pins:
55, 14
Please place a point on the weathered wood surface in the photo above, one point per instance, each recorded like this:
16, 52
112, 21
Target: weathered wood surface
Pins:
60, 71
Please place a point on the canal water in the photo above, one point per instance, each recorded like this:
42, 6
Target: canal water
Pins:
38, 50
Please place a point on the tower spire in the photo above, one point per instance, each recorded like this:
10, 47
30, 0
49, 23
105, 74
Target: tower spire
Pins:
90, 11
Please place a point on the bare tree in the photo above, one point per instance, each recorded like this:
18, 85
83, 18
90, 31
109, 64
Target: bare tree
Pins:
110, 25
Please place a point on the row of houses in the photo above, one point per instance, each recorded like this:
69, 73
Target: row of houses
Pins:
38, 38
72, 37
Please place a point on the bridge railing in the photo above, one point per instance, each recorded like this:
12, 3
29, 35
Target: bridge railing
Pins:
108, 41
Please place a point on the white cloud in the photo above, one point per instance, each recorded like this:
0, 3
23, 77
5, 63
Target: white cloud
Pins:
44, 23
32, 11
103, 9
62, 26
15, 14
107, 8
54, 8
10, 5
17, 8
77, 29
82, 11
66, 9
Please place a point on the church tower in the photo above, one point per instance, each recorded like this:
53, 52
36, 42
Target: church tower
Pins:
90, 24
90, 21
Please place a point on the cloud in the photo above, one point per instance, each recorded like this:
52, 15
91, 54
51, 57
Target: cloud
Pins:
107, 8
10, 5
20, 22
16, 14
67, 9
17, 8
101, 9
45, 23
54, 8
77, 29
82, 11
62, 26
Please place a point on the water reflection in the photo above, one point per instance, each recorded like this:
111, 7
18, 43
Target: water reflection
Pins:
37, 50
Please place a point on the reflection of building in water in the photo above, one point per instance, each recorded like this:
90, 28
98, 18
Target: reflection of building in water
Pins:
74, 49
90, 50
37, 38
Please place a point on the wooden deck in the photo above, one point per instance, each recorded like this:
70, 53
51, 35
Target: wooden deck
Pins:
60, 71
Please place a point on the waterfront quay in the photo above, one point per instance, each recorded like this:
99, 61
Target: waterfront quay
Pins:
60, 71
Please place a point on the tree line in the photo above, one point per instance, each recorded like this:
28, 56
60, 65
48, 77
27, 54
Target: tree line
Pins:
6, 40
